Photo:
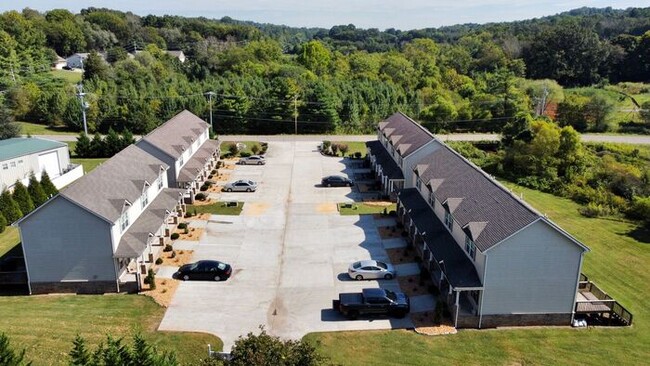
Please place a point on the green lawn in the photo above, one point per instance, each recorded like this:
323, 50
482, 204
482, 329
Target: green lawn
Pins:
38, 129
73, 77
249, 144
217, 208
8, 239
88, 164
617, 263
46, 325
362, 208
353, 146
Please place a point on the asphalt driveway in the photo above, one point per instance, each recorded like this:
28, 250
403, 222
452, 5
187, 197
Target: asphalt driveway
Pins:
289, 249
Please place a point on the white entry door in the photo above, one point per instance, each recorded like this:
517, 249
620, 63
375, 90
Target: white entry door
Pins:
50, 163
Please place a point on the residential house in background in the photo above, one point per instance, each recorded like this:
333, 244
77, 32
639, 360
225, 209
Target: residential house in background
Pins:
21, 156
59, 62
184, 144
104, 230
177, 55
76, 61
495, 260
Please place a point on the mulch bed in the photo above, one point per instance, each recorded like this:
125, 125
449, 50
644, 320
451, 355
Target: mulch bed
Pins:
411, 286
401, 255
388, 232
424, 324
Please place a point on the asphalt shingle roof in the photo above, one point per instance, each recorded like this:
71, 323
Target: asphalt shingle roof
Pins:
458, 268
121, 178
21, 146
193, 167
176, 135
406, 134
484, 208
134, 241
388, 165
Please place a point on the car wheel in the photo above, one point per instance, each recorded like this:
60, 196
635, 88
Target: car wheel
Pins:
353, 314
229, 190
259, 163
400, 314
359, 277
186, 277
329, 184
248, 190
388, 276
217, 278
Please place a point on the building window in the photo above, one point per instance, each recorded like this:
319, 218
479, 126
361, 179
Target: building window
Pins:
144, 199
20, 162
160, 182
470, 247
400, 161
449, 220
180, 161
432, 200
5, 166
13, 164
124, 221
418, 182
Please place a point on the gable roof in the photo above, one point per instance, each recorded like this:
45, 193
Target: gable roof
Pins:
483, 207
405, 134
117, 182
176, 135
21, 146
388, 165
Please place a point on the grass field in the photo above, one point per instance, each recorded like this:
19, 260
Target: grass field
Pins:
8, 239
249, 144
617, 263
353, 147
217, 208
38, 129
46, 325
361, 208
73, 77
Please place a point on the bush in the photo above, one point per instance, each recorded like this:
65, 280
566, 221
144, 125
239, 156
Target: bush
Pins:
219, 165
173, 255
159, 261
201, 196
594, 210
214, 171
3, 223
357, 154
182, 225
255, 149
640, 210
150, 279
343, 148
325, 146
186, 231
175, 236
168, 247
392, 213
335, 149
245, 154
204, 188
233, 149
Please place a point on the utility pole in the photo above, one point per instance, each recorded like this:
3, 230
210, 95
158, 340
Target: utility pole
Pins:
80, 95
295, 114
210, 94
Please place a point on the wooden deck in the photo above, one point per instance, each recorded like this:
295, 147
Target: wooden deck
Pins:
586, 302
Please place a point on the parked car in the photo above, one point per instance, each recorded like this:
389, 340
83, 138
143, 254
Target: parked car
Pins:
204, 270
241, 186
376, 301
371, 269
252, 160
336, 181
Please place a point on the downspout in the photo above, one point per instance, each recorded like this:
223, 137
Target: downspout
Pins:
480, 307
117, 275
573, 307
457, 307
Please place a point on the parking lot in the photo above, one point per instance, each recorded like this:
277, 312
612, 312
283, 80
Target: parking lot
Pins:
290, 250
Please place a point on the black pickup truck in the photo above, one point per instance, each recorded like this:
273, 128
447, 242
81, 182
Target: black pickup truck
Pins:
373, 301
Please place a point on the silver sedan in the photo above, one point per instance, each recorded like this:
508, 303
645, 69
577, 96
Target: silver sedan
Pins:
371, 269
241, 186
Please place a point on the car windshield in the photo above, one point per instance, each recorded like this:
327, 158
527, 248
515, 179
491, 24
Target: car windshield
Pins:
221, 266
356, 265
382, 265
391, 295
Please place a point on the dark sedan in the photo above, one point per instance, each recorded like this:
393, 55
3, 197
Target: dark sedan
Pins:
336, 181
204, 270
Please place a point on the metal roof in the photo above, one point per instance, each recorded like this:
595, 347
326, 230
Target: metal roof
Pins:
176, 135
22, 146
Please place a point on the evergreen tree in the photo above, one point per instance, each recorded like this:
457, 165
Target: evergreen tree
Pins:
8, 128
79, 354
9, 208
126, 139
22, 198
112, 143
97, 147
3, 223
47, 185
83, 148
36, 191
9, 357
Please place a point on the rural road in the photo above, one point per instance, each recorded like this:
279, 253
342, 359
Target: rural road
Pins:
627, 139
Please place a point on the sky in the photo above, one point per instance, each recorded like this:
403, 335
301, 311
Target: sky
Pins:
382, 14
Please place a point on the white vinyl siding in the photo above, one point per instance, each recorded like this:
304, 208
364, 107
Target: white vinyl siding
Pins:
470, 248
449, 221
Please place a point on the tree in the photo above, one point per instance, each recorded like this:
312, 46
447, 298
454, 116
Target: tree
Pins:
48, 187
97, 147
8, 128
79, 355
35, 190
9, 208
315, 56
95, 67
263, 349
9, 357
112, 143
3, 223
126, 139
22, 198
115, 352
83, 149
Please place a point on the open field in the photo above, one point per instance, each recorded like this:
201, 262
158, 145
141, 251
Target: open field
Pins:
226, 144
617, 263
362, 208
72, 77
38, 129
217, 208
46, 325
353, 147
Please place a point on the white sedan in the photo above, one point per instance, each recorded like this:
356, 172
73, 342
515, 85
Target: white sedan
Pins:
371, 269
241, 186
252, 160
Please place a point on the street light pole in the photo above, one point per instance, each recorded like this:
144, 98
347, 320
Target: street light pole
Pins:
81, 94
210, 94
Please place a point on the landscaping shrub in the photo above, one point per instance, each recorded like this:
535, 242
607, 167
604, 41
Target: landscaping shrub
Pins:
168, 247
357, 154
173, 255
594, 210
201, 196
208, 183
186, 230
204, 188
233, 149
335, 149
392, 213
150, 279
175, 236
255, 149
182, 225
245, 154
3, 223
343, 148
159, 261
214, 171
219, 165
